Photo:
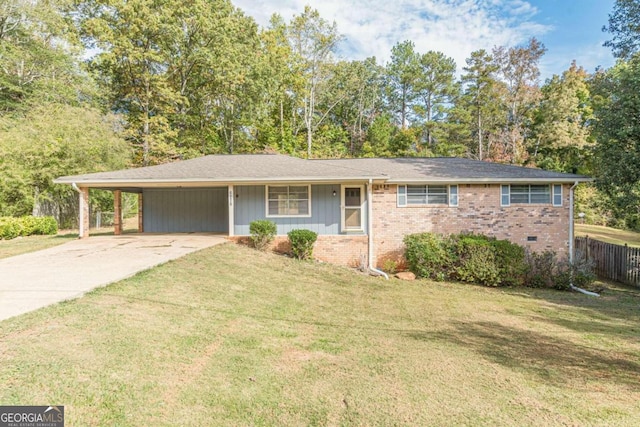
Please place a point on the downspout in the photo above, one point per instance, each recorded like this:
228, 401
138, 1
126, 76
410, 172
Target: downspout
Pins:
81, 218
370, 231
571, 242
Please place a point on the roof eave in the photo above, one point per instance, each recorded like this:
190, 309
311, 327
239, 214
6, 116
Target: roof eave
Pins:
156, 183
488, 180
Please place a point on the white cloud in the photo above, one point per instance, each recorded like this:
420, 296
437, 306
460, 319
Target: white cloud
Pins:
454, 27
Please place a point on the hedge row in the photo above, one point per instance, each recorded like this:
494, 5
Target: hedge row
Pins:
12, 227
487, 261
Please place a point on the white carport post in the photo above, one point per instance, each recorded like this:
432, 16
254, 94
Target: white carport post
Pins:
231, 210
83, 211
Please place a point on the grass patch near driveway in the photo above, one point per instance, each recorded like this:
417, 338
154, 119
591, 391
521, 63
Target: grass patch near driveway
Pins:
231, 336
22, 245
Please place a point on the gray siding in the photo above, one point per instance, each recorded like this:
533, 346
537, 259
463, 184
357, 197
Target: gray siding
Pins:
183, 210
325, 210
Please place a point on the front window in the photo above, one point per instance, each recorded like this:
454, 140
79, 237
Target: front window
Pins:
288, 200
527, 194
411, 195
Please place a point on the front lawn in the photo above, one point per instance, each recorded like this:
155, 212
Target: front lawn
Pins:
229, 336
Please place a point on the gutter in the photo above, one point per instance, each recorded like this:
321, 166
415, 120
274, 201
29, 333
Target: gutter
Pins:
571, 242
370, 231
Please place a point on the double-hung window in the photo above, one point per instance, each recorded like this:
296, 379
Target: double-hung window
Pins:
288, 200
417, 195
531, 194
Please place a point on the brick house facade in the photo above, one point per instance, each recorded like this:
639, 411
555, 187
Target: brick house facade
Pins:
356, 206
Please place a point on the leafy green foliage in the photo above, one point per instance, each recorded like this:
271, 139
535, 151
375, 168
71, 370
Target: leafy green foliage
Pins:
262, 232
12, 227
302, 243
429, 255
466, 257
624, 25
71, 140
618, 138
545, 271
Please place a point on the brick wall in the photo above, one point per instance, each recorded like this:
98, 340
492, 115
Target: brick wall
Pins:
479, 211
344, 250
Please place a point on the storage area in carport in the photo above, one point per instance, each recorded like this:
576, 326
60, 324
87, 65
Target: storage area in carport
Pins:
184, 210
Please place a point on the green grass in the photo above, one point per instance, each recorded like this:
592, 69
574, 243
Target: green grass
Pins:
230, 336
608, 234
23, 245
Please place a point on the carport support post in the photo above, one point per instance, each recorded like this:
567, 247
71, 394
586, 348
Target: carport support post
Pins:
117, 212
231, 210
140, 222
83, 223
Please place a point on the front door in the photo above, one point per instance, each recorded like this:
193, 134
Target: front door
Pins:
352, 208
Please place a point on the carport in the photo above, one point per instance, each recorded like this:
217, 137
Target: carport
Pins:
175, 209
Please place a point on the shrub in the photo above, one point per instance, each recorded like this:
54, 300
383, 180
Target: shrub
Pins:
302, 243
476, 260
39, 225
10, 228
262, 233
428, 255
467, 257
541, 269
47, 225
390, 266
580, 273
510, 259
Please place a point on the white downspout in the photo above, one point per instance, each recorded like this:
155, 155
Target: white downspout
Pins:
370, 230
571, 241
81, 218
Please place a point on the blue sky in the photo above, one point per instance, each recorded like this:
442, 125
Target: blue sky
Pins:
570, 29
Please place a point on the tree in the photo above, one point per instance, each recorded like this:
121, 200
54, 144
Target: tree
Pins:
518, 69
617, 131
71, 140
624, 25
561, 130
176, 69
355, 89
435, 89
403, 72
481, 100
313, 40
38, 56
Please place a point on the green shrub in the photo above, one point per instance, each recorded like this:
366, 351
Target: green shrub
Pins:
510, 259
47, 225
302, 243
428, 255
11, 227
475, 260
262, 233
466, 257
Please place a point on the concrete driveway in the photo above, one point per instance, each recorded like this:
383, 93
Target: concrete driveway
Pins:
67, 271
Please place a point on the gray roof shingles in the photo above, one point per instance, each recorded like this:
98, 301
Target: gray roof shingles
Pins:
275, 167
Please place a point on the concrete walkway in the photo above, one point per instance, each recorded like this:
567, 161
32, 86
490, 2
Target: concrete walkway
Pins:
67, 271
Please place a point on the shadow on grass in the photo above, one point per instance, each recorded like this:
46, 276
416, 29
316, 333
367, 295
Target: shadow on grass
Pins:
618, 304
551, 358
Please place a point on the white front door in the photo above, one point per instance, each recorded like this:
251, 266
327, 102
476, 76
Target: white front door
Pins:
352, 199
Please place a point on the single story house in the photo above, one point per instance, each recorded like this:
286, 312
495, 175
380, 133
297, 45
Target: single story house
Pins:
360, 208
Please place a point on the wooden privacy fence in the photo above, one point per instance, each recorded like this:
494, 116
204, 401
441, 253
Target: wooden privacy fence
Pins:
613, 262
